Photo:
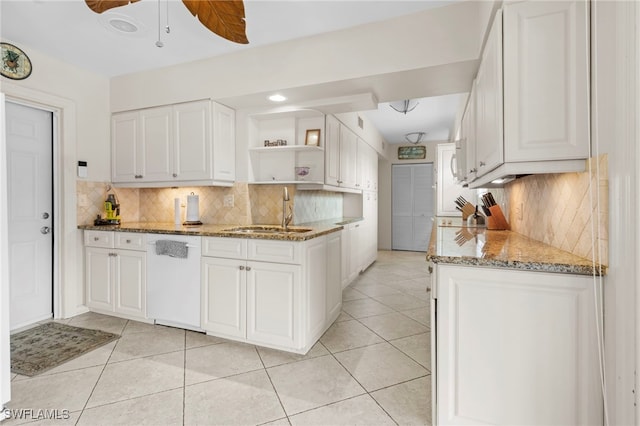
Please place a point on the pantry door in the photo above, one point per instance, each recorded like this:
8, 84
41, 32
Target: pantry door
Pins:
412, 206
29, 136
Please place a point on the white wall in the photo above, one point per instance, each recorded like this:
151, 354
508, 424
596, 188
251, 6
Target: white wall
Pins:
384, 187
82, 100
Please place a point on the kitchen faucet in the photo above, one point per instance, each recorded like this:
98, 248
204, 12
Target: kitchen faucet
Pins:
286, 218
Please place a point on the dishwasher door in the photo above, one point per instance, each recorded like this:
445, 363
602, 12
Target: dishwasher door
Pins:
173, 284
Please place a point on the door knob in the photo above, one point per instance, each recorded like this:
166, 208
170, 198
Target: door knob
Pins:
45, 215
45, 230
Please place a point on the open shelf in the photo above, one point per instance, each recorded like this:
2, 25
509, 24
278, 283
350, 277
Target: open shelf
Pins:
286, 148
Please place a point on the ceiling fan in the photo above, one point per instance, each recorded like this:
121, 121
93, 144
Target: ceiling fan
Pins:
223, 17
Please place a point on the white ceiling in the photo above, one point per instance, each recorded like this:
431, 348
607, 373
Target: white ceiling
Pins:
69, 31
434, 115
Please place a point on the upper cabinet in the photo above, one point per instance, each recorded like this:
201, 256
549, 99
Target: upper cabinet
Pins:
191, 143
528, 110
545, 81
488, 107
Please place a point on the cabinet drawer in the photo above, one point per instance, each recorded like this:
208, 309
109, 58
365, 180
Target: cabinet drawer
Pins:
98, 239
274, 251
231, 248
130, 240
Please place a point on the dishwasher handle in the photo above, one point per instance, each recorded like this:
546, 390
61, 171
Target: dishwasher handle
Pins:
153, 243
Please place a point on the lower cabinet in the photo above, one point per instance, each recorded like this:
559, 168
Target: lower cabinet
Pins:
115, 277
515, 347
270, 293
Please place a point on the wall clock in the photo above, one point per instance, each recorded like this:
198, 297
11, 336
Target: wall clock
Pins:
14, 63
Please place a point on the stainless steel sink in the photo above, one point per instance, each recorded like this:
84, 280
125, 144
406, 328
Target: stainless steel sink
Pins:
266, 229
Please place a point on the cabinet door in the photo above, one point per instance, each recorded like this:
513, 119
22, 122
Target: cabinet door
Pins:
126, 148
511, 342
224, 296
488, 88
157, 144
273, 304
332, 151
192, 141
468, 166
355, 250
348, 158
334, 275
224, 143
545, 81
130, 282
447, 190
99, 278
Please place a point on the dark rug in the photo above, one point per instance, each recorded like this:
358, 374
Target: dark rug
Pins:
46, 346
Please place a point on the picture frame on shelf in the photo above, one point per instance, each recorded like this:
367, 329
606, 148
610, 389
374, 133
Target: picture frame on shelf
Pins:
312, 138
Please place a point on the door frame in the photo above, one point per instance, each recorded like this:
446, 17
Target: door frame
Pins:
65, 298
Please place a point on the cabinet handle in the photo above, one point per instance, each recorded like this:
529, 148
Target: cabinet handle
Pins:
113, 254
339, 181
473, 170
248, 268
138, 176
482, 164
128, 241
96, 238
241, 268
175, 175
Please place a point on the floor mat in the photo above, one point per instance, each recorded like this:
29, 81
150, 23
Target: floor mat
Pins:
46, 346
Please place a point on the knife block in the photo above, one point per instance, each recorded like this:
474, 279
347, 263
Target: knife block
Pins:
497, 220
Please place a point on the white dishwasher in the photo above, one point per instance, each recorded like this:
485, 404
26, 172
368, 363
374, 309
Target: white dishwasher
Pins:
173, 283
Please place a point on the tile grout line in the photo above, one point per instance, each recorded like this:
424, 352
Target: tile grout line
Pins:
286, 415
184, 379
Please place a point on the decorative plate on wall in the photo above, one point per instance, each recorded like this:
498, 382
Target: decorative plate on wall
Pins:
14, 63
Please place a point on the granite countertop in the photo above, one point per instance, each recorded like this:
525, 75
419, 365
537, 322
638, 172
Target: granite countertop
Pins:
503, 249
319, 228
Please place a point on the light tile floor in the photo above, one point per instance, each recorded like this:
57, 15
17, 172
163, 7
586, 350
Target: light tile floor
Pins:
372, 367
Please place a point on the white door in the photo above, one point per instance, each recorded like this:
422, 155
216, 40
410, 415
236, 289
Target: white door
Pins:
412, 206
30, 208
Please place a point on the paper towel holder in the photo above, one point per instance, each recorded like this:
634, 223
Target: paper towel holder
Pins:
192, 222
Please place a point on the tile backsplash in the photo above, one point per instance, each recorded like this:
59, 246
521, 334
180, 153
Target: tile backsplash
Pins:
252, 204
557, 209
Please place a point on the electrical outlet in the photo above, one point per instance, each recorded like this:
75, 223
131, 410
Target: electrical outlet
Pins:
228, 200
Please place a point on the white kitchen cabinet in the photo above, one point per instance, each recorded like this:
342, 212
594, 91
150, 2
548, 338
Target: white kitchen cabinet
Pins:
351, 253
273, 304
466, 145
515, 347
334, 275
546, 80
367, 167
115, 273
341, 157
447, 189
182, 144
224, 289
268, 292
488, 103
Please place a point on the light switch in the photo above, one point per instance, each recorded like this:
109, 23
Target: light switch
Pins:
82, 169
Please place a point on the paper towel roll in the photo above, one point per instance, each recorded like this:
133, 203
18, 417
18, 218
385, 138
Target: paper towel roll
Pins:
193, 210
176, 211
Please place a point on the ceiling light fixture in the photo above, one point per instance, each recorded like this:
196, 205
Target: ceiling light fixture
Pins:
404, 106
277, 98
415, 137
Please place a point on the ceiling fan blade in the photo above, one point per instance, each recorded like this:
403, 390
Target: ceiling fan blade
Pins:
99, 6
225, 18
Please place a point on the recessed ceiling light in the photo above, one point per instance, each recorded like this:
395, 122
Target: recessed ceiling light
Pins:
122, 25
277, 98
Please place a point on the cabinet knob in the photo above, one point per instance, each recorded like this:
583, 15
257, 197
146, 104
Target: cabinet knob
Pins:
339, 181
138, 176
128, 241
248, 268
241, 268
482, 164
96, 238
175, 175
473, 170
